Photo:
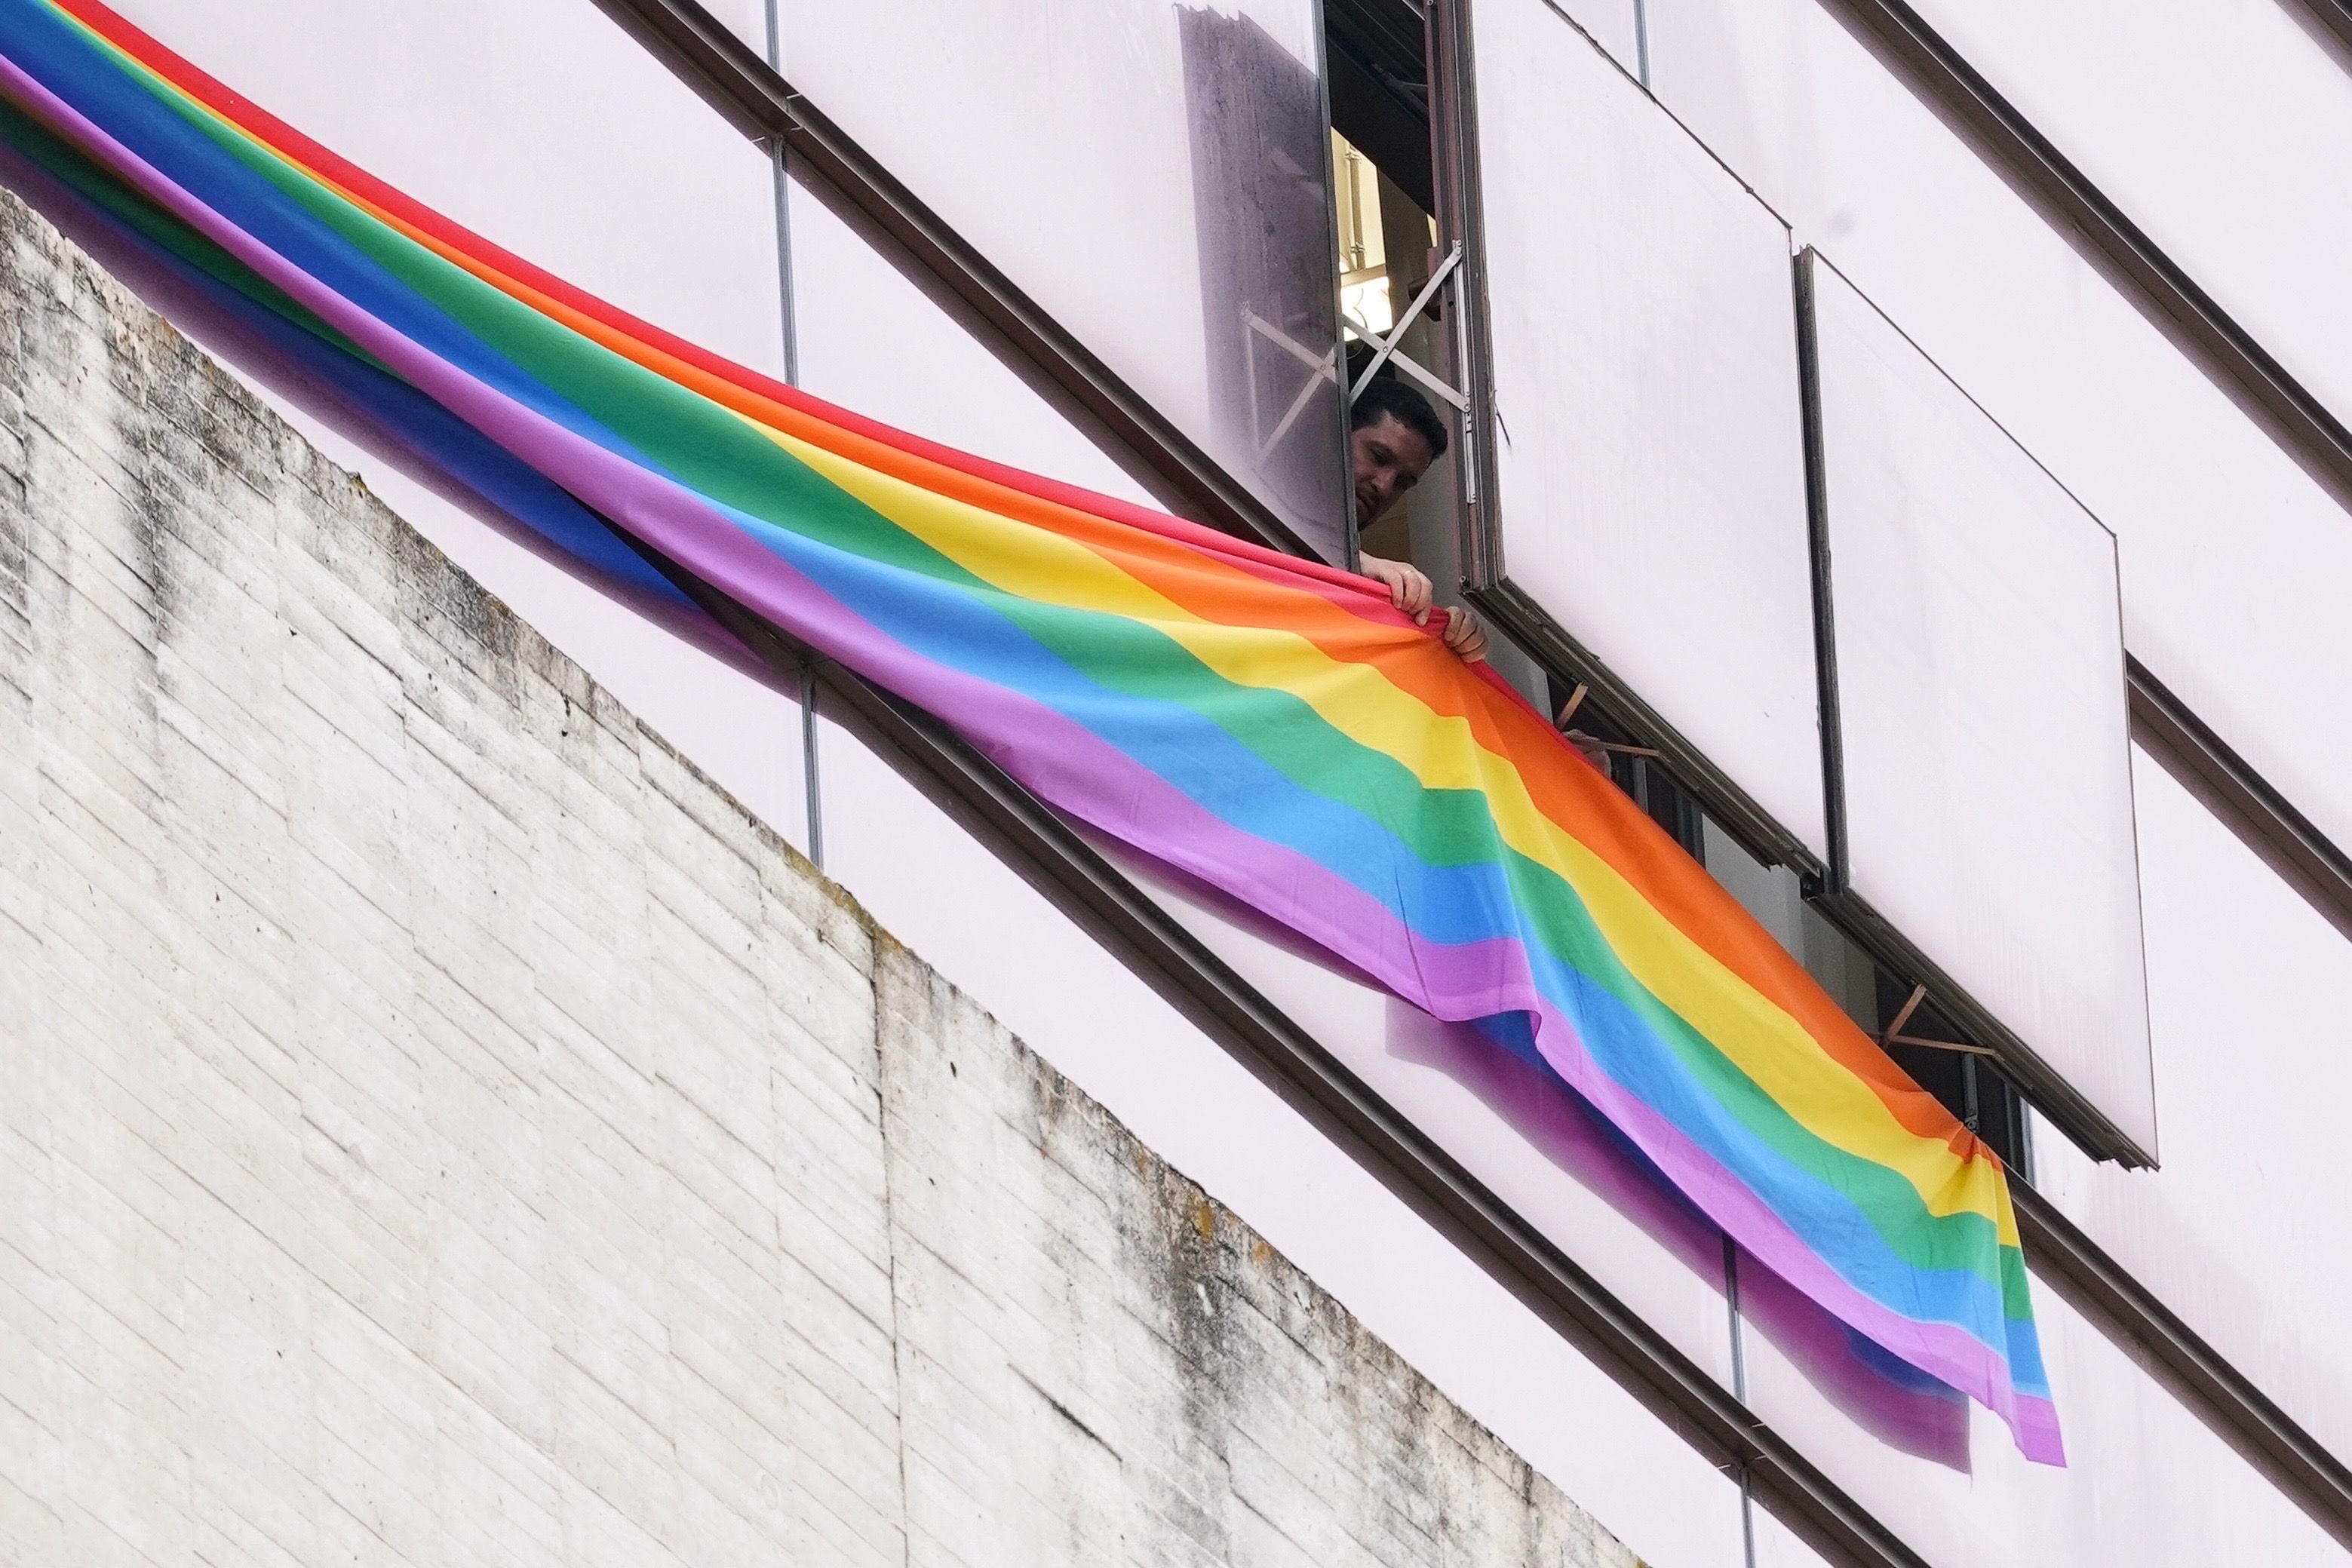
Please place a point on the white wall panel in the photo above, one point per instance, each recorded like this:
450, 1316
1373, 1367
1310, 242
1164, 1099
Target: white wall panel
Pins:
2235, 564
2147, 1483
1981, 709
1777, 1546
538, 123
2220, 127
1651, 484
2240, 1232
747, 19
1645, 362
1143, 170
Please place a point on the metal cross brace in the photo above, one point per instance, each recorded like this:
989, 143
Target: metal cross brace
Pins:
1388, 345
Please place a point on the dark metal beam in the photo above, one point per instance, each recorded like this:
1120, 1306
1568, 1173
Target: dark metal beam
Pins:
2304, 858
2333, 17
730, 76
2007, 142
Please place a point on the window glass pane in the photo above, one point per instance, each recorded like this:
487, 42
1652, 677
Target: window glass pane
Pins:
1981, 724
1650, 475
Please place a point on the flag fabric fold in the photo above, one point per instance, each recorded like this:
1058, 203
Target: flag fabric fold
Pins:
1269, 726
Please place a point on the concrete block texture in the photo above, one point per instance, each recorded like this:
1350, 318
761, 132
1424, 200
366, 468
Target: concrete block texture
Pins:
438, 1126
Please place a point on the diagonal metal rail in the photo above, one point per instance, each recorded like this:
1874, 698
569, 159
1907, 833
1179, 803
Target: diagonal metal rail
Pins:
2335, 15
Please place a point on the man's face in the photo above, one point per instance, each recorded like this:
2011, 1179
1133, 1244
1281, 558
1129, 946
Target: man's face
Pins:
1388, 459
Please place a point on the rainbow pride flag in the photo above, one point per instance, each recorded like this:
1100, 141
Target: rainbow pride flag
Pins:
1266, 725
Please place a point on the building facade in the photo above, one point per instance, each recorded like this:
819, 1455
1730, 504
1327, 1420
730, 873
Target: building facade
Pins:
1912, 439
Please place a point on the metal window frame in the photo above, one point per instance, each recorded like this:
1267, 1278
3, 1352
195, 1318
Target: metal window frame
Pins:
1053, 858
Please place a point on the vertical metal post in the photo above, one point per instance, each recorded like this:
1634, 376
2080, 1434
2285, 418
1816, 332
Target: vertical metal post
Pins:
1739, 1392
1731, 1304
809, 779
783, 189
812, 797
1641, 42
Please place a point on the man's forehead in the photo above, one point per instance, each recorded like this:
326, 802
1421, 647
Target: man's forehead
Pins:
1411, 445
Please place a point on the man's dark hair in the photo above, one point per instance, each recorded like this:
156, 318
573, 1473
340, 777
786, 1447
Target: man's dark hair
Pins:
1388, 395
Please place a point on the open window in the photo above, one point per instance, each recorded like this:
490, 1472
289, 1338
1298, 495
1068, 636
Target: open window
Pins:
1400, 286
1639, 541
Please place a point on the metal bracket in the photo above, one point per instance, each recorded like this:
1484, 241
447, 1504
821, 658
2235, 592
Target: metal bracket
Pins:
1321, 367
1388, 345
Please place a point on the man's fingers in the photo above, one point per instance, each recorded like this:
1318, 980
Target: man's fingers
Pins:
1418, 595
1465, 636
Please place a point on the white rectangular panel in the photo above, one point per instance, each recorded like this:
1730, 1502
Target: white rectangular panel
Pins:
1985, 774
2236, 563
1153, 175
2239, 1233
1649, 449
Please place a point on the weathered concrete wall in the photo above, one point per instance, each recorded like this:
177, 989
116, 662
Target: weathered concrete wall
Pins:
437, 1125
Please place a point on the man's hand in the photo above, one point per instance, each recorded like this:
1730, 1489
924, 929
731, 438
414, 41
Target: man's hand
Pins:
1591, 751
1410, 590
